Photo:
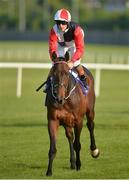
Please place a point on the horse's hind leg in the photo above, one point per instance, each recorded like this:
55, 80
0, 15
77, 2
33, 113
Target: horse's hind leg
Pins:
69, 135
52, 129
77, 145
90, 125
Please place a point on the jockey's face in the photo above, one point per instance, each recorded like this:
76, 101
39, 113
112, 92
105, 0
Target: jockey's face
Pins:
62, 25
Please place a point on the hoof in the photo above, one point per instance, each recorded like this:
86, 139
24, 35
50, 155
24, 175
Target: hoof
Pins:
73, 166
48, 173
95, 153
78, 168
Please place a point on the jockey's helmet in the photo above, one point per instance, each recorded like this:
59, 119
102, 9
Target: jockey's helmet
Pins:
62, 15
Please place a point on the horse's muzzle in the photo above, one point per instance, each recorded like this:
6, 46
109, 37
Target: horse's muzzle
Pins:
60, 101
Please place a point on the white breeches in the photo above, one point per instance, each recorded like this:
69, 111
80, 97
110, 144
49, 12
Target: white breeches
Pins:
62, 50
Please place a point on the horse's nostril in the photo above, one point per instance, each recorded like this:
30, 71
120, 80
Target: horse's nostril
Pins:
60, 101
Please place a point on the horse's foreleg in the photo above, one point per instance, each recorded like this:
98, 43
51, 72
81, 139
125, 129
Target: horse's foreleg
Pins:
77, 145
52, 129
90, 125
69, 135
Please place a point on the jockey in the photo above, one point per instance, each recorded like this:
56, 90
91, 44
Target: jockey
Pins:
68, 36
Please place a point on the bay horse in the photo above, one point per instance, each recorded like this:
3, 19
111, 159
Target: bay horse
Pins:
66, 106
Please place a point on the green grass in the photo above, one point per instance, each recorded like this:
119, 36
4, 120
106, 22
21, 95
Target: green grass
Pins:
24, 140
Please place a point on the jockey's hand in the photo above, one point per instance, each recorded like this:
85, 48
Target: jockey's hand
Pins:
70, 64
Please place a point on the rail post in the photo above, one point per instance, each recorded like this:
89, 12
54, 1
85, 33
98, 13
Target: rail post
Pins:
19, 81
97, 81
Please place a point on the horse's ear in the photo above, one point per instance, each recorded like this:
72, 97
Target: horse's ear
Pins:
67, 56
54, 56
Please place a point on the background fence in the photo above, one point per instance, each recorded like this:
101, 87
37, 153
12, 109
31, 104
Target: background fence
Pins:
36, 54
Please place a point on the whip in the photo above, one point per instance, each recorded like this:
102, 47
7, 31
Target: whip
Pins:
41, 86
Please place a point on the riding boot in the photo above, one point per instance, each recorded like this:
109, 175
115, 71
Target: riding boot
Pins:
81, 74
47, 86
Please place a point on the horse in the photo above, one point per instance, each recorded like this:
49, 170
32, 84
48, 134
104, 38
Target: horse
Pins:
66, 105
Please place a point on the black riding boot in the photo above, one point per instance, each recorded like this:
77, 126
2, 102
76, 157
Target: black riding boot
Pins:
47, 86
83, 79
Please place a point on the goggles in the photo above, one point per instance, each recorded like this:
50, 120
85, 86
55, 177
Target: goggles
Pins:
61, 22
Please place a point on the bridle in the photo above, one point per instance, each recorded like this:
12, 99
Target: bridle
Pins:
53, 85
61, 84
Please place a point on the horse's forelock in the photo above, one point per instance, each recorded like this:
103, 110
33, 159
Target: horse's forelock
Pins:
60, 58
60, 67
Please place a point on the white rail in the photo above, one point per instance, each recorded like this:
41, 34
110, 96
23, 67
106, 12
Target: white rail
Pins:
97, 67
